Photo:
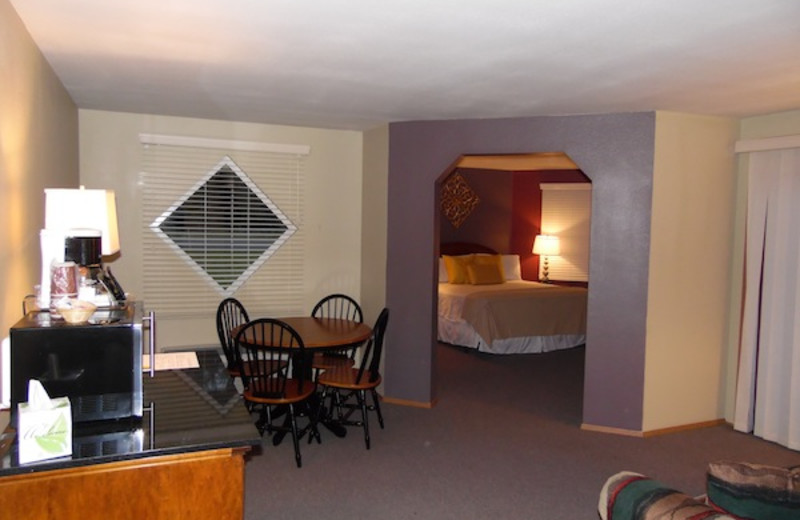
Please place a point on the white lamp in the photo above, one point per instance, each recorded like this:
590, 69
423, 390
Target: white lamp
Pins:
546, 246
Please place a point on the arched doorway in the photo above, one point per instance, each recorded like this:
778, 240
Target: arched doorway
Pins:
616, 151
502, 210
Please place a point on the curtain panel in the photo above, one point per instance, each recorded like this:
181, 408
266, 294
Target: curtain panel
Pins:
768, 385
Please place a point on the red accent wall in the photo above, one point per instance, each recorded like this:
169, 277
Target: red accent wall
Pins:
526, 213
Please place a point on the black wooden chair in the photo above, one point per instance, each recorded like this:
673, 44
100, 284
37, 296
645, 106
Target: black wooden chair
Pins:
336, 306
230, 314
266, 346
348, 383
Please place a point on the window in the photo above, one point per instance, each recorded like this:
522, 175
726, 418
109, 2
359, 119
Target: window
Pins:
566, 213
221, 219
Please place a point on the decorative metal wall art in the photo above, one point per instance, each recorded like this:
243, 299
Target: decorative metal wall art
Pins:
458, 199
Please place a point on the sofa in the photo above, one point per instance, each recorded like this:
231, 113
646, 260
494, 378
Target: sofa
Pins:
734, 490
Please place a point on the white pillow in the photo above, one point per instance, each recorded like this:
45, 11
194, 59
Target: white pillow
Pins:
442, 271
511, 268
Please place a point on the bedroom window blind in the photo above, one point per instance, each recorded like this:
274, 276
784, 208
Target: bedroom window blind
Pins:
566, 213
221, 218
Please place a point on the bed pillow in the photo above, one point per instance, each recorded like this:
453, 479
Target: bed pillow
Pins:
485, 273
511, 270
754, 490
442, 271
456, 267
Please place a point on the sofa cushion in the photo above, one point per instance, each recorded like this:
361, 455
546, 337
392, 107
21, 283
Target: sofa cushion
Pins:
754, 490
629, 496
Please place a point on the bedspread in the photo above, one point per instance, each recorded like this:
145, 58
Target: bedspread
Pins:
516, 308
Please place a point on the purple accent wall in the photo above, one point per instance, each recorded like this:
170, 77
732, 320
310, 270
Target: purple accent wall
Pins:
616, 152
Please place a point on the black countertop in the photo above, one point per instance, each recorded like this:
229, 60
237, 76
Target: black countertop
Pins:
186, 410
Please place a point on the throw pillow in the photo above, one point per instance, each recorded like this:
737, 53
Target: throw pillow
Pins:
754, 490
482, 274
456, 267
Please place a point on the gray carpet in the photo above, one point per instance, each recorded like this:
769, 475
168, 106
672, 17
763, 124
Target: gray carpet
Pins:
503, 443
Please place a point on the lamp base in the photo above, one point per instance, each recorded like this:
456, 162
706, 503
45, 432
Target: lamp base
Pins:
545, 271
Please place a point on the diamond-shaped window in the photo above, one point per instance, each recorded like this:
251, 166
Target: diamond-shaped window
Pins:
225, 227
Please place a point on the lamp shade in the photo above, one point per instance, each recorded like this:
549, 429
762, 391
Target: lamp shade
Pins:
546, 245
67, 209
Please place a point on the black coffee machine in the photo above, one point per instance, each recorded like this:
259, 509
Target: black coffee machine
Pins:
96, 283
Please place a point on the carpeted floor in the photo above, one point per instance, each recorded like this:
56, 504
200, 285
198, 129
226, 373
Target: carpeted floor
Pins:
503, 443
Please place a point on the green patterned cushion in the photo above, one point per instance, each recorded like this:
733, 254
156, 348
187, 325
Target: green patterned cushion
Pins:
629, 496
754, 491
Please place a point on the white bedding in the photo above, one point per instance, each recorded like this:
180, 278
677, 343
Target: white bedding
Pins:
454, 329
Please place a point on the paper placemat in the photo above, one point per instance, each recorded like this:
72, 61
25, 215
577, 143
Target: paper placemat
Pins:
172, 361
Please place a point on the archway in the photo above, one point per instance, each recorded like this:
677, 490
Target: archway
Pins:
616, 151
502, 210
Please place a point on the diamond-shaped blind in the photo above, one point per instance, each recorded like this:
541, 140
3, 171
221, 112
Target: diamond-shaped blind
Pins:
219, 222
226, 226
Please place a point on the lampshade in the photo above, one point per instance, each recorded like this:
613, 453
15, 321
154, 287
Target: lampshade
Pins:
546, 245
67, 209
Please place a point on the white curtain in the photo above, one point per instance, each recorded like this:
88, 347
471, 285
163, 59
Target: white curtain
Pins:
768, 386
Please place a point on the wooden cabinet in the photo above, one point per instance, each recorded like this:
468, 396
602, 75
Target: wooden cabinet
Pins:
184, 460
197, 485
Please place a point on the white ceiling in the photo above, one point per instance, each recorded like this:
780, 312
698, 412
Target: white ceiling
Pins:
355, 64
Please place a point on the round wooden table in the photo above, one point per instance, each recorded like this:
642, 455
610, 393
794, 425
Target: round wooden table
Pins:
328, 333
320, 334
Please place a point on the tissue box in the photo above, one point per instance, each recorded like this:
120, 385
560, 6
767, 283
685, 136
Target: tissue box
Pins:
44, 433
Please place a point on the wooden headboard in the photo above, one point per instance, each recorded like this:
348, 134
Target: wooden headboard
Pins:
464, 248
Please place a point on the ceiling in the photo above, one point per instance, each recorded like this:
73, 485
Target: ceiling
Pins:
356, 64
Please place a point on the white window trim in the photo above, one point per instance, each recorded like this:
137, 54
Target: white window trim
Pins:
206, 142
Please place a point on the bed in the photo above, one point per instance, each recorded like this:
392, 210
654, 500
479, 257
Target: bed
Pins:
503, 314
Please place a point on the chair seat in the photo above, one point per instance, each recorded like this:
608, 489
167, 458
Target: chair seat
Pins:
323, 361
294, 393
346, 378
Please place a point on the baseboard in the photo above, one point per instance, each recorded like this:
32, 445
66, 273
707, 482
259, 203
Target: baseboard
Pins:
684, 427
405, 402
609, 429
651, 433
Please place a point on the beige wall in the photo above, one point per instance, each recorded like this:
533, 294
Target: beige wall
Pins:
690, 257
771, 125
38, 150
110, 158
758, 127
374, 223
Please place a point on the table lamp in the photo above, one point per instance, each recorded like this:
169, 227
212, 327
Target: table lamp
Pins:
546, 246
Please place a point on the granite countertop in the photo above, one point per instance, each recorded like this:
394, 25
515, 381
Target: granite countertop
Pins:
186, 410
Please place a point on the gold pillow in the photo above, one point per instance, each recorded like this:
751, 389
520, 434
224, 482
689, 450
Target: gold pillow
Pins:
495, 260
481, 274
456, 267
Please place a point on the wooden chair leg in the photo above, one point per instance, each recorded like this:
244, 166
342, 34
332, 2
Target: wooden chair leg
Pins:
361, 395
295, 438
377, 406
313, 419
337, 396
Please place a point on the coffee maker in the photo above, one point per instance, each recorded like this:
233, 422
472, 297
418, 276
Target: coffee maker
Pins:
95, 282
72, 266
80, 228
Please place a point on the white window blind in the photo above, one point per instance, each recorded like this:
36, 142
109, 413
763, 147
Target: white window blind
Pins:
221, 218
566, 213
